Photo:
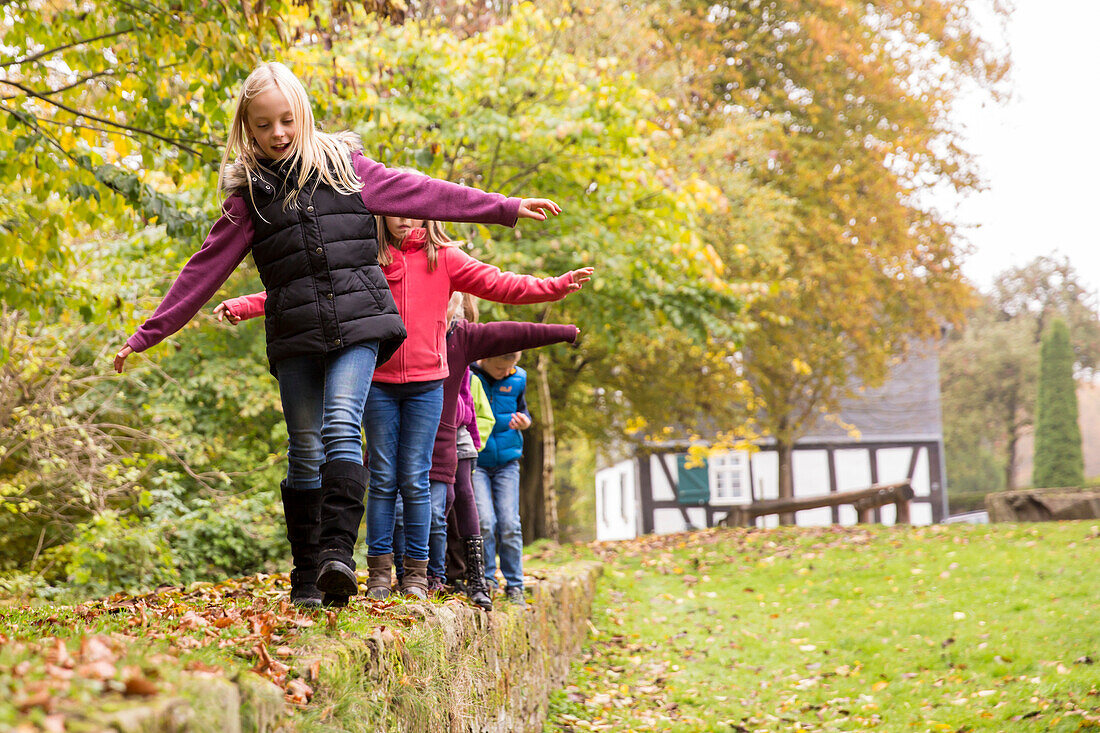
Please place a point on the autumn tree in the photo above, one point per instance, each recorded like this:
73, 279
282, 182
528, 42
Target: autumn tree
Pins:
1058, 457
988, 370
1046, 288
990, 366
851, 103
857, 97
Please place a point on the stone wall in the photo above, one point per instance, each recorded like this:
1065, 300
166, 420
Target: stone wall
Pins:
1043, 505
424, 667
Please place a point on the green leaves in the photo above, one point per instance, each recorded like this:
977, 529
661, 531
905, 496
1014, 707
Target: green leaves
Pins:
94, 112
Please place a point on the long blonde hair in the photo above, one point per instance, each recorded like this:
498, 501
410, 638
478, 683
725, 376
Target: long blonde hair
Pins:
437, 239
311, 150
462, 305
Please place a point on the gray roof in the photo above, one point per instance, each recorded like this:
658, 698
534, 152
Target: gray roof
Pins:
906, 406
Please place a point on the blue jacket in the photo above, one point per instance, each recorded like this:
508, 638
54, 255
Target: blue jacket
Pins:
507, 397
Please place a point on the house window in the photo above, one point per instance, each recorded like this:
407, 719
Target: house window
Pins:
729, 478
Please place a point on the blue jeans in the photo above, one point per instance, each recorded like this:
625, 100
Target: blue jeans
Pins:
496, 491
437, 534
400, 434
323, 397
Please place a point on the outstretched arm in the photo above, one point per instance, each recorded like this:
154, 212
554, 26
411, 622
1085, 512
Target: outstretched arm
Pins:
486, 340
485, 281
240, 309
226, 245
391, 192
537, 209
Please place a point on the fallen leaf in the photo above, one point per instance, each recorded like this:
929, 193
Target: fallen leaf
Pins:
101, 670
140, 685
96, 649
41, 699
298, 692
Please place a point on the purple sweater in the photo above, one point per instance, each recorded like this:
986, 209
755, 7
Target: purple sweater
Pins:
468, 342
385, 192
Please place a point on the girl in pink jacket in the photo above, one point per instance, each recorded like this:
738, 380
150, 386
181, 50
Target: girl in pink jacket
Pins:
423, 267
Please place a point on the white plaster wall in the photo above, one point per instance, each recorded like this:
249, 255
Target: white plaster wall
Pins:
922, 484
853, 471
811, 478
765, 478
893, 464
698, 516
616, 502
662, 491
666, 521
920, 513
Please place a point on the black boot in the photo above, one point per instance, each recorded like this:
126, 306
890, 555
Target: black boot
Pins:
456, 554
302, 509
344, 483
477, 589
331, 601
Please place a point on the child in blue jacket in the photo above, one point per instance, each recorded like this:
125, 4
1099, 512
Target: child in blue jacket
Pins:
496, 478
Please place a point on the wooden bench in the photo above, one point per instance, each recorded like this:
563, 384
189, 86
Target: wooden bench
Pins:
864, 501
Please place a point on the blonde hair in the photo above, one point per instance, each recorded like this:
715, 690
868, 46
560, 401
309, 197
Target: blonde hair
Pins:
312, 150
437, 239
464, 305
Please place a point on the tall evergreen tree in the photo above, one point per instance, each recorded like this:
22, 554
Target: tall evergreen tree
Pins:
1058, 456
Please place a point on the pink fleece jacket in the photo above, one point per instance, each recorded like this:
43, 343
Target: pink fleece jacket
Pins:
422, 302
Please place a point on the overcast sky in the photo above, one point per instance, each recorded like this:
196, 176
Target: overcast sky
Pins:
1040, 151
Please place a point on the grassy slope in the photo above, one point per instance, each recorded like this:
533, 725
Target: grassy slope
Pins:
952, 628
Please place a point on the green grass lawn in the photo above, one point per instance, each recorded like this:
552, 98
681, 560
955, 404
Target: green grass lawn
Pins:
952, 628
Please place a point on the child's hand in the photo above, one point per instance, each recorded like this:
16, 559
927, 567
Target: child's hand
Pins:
519, 421
536, 209
120, 358
221, 310
577, 278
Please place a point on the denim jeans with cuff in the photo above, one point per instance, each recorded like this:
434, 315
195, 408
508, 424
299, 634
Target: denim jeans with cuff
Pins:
400, 431
496, 491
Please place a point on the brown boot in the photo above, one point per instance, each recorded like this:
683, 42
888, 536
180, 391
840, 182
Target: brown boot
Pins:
415, 582
379, 578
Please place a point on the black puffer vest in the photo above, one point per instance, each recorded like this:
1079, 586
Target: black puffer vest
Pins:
319, 265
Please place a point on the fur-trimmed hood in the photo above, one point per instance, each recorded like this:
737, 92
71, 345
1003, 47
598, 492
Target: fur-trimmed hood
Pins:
236, 174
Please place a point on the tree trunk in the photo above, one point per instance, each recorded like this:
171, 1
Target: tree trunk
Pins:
549, 451
1010, 461
785, 451
530, 483
1013, 437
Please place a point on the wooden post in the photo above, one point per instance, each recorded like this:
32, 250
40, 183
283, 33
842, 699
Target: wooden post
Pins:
740, 517
902, 507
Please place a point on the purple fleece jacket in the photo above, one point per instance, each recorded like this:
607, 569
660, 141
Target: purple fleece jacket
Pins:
468, 342
386, 192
